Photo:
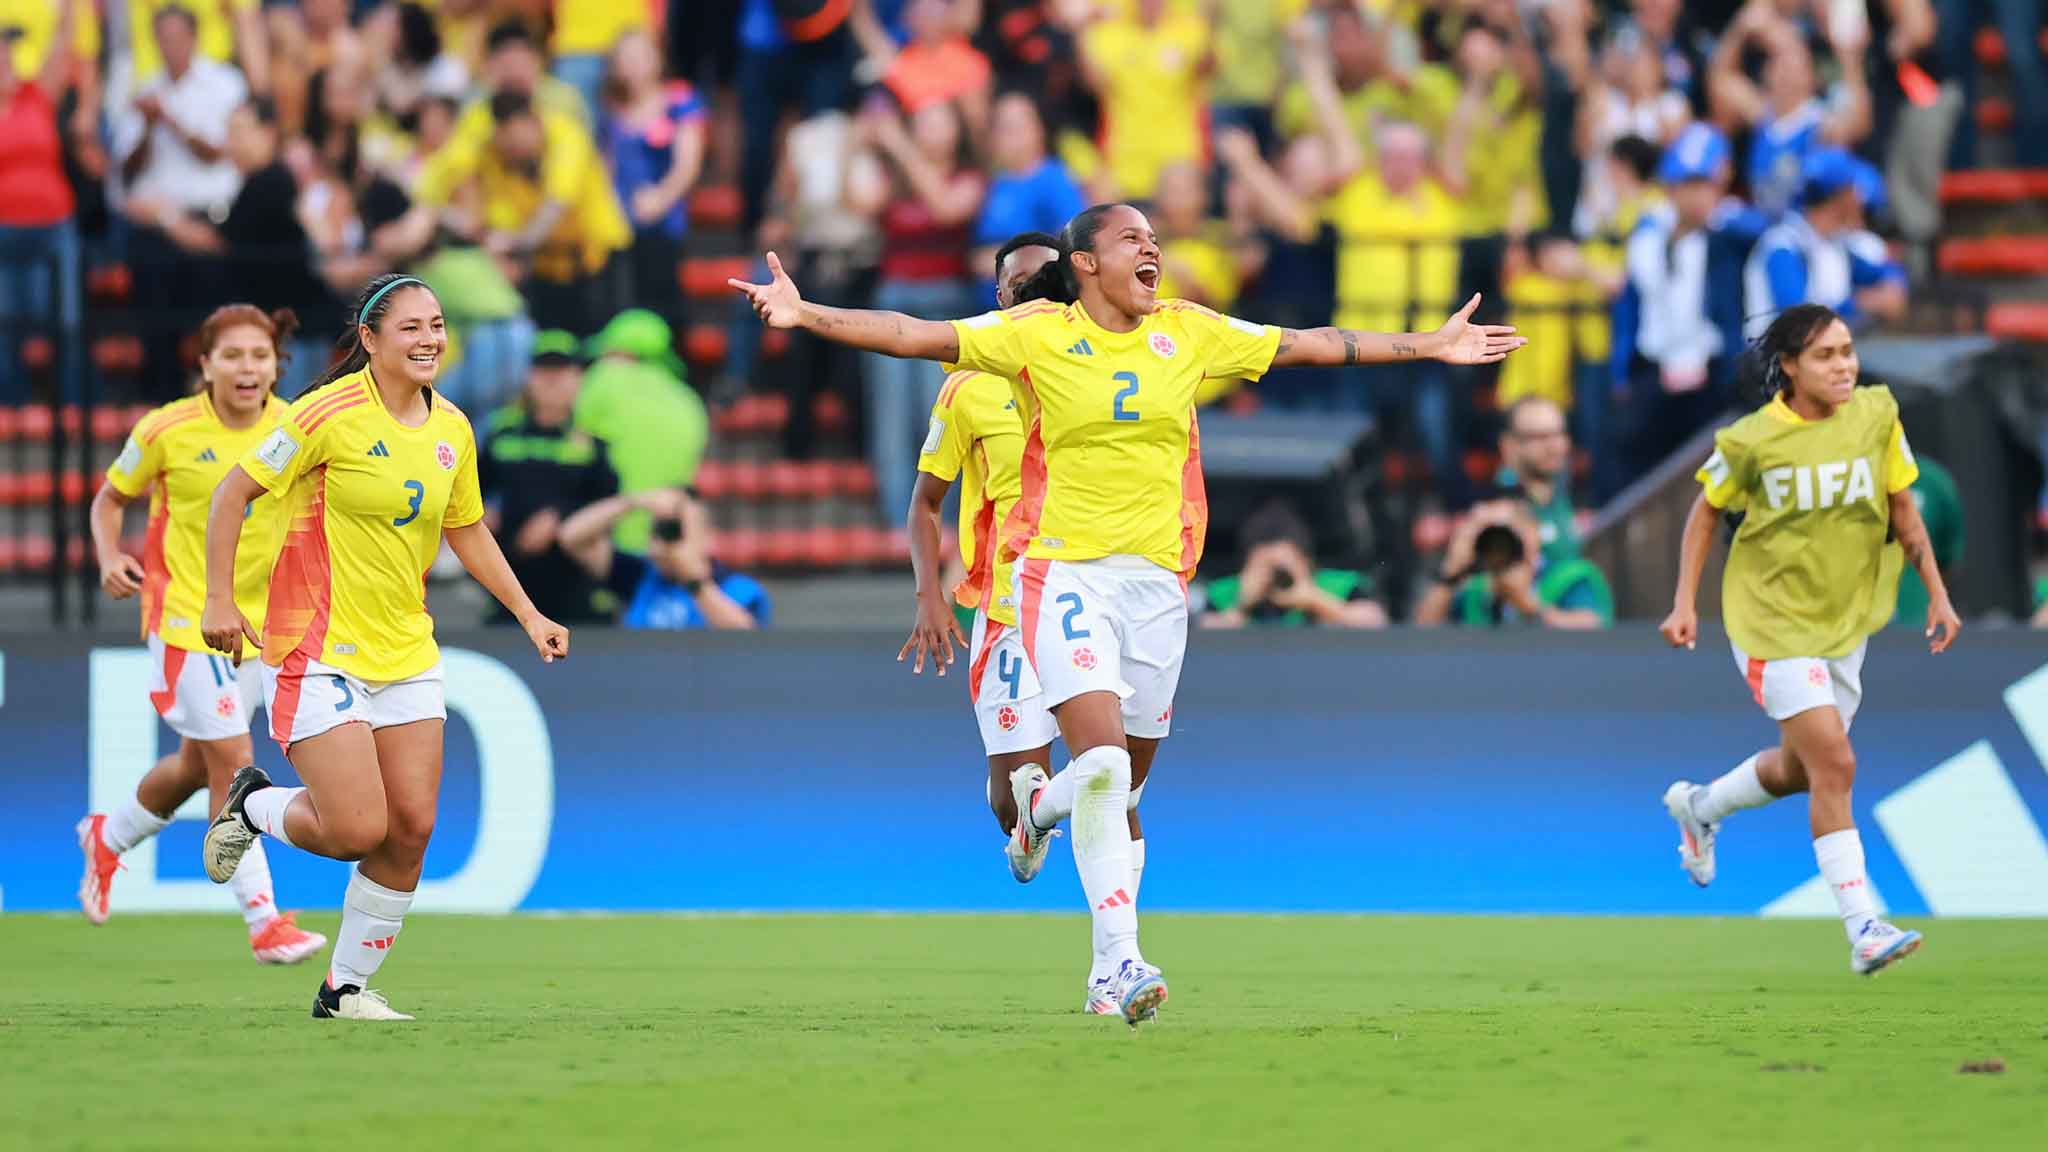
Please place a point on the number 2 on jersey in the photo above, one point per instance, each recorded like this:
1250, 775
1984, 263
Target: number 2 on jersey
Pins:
1129, 389
412, 511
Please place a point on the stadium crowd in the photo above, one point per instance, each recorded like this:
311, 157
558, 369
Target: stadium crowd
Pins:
1637, 185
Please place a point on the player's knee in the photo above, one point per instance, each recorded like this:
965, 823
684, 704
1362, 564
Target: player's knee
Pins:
1832, 771
409, 830
1107, 763
356, 838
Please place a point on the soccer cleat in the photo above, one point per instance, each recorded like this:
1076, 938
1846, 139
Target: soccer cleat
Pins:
1101, 1001
349, 1002
229, 836
1695, 836
1879, 946
1139, 990
101, 862
282, 941
1027, 840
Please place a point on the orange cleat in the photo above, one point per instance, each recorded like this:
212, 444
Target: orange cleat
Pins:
101, 862
282, 941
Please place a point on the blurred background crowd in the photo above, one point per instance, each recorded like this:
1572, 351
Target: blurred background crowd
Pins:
1638, 185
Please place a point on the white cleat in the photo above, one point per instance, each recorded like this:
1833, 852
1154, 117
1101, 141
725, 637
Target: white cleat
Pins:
1139, 990
1101, 1001
352, 1003
1028, 842
1879, 946
1695, 836
229, 836
101, 862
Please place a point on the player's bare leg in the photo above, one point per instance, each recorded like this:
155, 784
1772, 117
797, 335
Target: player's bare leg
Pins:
1821, 744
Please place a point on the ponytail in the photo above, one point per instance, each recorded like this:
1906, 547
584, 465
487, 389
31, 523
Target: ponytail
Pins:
367, 311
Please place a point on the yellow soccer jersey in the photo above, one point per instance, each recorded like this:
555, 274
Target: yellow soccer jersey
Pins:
1809, 572
178, 455
1112, 454
977, 436
367, 500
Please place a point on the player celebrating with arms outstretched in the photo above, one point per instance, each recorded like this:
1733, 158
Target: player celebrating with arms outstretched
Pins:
377, 469
1113, 513
1822, 475
178, 455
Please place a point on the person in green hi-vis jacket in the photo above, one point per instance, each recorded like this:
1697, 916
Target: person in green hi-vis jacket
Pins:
1941, 508
634, 399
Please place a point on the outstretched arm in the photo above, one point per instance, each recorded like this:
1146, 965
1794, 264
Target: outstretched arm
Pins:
1459, 341
891, 333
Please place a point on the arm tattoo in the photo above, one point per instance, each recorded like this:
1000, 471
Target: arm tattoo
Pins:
1286, 342
1350, 347
1402, 348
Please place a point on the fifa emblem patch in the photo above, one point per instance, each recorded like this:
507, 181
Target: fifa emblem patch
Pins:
444, 454
1163, 345
278, 450
130, 457
1817, 676
1084, 659
1006, 718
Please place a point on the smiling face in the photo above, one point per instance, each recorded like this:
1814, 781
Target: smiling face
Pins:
1824, 373
408, 342
1122, 261
239, 370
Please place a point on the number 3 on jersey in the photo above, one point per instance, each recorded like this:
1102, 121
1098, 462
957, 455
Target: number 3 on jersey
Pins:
1129, 380
412, 510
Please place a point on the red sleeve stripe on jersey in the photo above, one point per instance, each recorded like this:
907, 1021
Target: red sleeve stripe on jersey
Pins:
310, 420
1030, 308
990, 633
1031, 589
1194, 503
170, 418
1022, 524
972, 590
156, 574
952, 386
295, 622
310, 417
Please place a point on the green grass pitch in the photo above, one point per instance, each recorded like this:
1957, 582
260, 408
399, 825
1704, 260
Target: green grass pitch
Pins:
947, 1032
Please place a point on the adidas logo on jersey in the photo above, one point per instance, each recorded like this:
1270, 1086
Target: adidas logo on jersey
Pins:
207, 457
1081, 349
378, 449
1827, 485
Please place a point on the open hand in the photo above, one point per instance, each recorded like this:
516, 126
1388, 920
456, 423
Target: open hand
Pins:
776, 302
936, 632
1460, 341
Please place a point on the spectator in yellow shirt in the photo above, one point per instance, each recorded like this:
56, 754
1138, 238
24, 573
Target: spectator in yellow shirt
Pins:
1373, 89
1151, 70
546, 210
230, 32
585, 33
1196, 255
1251, 61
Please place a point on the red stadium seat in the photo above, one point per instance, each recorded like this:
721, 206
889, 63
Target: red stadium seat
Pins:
1242, 402
740, 548
775, 343
75, 487
110, 283
783, 548
135, 414
8, 483
36, 553
823, 548
1994, 256
32, 489
109, 424
828, 410
704, 344
716, 207
854, 479
9, 554
785, 480
115, 354
74, 553
1994, 116
34, 422
713, 480
1480, 466
707, 276
73, 419
2019, 320
37, 353
820, 479
748, 482
8, 422
1991, 46
1994, 186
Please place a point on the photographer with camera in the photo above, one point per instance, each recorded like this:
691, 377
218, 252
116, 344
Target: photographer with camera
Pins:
1493, 575
677, 585
1281, 585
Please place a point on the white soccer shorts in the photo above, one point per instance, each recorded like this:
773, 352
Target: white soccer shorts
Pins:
314, 698
1009, 707
1785, 688
202, 695
1118, 624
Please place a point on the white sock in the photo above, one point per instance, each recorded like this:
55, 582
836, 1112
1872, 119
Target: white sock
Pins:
1056, 799
265, 809
1137, 867
1102, 848
371, 915
1736, 791
1102, 967
129, 825
251, 882
1841, 864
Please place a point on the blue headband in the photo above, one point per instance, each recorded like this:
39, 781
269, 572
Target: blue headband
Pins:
363, 316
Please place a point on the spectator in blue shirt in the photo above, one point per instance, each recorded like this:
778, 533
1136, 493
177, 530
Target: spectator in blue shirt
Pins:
1822, 254
776, 70
1031, 191
677, 585
653, 137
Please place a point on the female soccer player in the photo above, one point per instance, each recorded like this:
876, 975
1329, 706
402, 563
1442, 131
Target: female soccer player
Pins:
1821, 473
178, 454
375, 470
1112, 516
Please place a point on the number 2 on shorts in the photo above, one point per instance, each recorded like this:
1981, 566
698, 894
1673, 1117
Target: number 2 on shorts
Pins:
1129, 389
412, 511
1010, 670
1073, 602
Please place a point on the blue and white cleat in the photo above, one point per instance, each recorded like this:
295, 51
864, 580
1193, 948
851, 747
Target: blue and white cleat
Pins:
1695, 836
1139, 990
1879, 946
1028, 842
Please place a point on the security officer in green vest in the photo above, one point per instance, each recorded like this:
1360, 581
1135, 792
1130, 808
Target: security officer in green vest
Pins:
537, 470
1941, 509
